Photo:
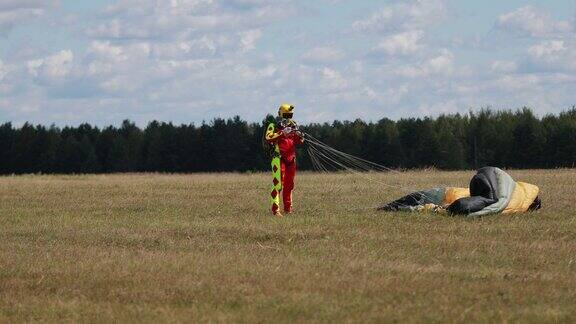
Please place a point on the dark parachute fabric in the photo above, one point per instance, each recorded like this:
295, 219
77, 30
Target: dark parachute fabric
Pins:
483, 193
537, 204
414, 199
469, 205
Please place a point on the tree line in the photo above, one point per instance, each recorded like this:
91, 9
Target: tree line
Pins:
509, 139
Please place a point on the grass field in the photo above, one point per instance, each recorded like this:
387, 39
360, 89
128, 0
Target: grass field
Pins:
195, 248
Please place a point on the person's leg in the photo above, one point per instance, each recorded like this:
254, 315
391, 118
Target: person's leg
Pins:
276, 185
289, 172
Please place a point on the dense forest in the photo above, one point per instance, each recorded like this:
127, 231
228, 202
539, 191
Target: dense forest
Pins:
510, 139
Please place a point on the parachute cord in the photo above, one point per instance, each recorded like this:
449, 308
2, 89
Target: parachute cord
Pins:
353, 162
345, 159
333, 162
352, 158
327, 153
315, 163
320, 163
328, 158
376, 165
319, 166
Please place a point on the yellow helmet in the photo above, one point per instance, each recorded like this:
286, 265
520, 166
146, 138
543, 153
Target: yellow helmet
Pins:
286, 111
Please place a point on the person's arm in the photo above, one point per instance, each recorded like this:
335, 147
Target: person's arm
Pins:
296, 133
298, 138
271, 134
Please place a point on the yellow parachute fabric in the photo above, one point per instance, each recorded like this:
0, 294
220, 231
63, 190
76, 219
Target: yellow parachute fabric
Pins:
523, 196
454, 193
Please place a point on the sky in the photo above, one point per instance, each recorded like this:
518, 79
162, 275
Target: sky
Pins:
66, 62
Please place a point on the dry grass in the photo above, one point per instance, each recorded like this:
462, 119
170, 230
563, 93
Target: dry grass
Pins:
189, 248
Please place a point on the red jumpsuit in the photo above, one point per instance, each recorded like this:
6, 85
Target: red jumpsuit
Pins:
286, 145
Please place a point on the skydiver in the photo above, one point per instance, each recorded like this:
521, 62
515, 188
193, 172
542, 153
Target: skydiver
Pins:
282, 136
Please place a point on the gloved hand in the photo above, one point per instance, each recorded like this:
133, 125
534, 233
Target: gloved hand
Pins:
287, 130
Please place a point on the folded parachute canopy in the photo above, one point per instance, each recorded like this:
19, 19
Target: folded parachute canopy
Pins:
491, 191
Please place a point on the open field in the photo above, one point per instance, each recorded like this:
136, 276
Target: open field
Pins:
189, 248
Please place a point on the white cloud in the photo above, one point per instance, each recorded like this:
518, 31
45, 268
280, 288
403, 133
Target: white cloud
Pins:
401, 44
515, 82
533, 22
187, 60
178, 54
450, 106
547, 49
54, 67
106, 51
414, 14
106, 60
14, 12
121, 83
552, 56
118, 29
7, 5
181, 19
248, 39
441, 64
3, 70
401, 26
332, 80
8, 19
553, 50
322, 55
390, 96
503, 67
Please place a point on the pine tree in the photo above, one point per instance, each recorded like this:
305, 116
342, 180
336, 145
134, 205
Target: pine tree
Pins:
7, 138
90, 163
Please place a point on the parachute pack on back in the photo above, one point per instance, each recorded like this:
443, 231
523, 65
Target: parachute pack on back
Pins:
267, 147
